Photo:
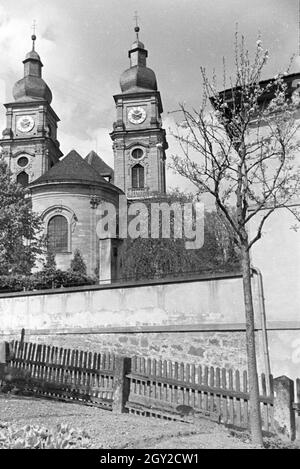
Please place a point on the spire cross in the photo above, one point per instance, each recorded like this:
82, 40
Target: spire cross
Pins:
136, 18
137, 29
33, 27
33, 37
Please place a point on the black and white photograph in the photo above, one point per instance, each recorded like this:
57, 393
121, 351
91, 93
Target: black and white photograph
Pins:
149, 228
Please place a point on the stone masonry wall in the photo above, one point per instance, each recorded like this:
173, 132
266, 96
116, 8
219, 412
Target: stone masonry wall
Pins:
218, 349
197, 321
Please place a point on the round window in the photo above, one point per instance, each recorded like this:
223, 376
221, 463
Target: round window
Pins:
23, 161
137, 153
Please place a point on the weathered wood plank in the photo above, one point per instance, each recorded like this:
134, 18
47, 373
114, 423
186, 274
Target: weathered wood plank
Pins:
149, 370
230, 387
218, 385
51, 364
237, 401
224, 412
25, 348
153, 406
212, 385
176, 371
192, 391
34, 366
205, 393
245, 401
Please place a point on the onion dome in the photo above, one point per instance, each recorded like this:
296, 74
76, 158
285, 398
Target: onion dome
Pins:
32, 55
32, 86
138, 77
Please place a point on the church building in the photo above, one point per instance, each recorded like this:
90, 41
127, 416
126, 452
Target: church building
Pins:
66, 190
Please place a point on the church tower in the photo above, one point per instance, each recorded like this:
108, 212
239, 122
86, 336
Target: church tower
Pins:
29, 143
139, 141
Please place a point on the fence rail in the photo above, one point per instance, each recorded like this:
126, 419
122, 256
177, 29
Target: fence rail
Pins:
150, 387
65, 374
184, 391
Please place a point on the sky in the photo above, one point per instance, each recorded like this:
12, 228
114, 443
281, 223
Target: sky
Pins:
84, 46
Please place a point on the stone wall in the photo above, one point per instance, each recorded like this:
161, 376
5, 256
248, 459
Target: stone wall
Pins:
219, 349
198, 320
179, 304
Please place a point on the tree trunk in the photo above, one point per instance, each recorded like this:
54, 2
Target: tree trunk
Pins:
255, 417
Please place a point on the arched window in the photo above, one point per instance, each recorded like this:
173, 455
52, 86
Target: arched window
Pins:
57, 234
22, 179
138, 176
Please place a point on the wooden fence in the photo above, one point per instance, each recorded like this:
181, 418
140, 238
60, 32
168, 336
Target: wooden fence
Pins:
182, 391
149, 387
64, 374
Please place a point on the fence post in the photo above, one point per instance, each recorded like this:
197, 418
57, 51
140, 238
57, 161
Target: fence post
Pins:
121, 384
284, 415
4, 358
4, 352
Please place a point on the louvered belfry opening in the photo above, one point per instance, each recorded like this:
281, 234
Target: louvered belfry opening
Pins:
138, 177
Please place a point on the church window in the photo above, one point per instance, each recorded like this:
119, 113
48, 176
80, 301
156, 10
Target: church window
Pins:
138, 176
137, 153
57, 234
22, 179
23, 161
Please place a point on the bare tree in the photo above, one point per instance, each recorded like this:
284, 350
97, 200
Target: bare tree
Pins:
240, 148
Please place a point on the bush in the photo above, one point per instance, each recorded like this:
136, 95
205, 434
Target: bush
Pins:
60, 278
77, 263
50, 263
36, 437
12, 283
43, 280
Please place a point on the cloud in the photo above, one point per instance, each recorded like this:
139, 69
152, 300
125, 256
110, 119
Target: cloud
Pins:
83, 46
98, 141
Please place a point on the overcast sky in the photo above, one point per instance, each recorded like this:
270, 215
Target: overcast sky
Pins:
84, 46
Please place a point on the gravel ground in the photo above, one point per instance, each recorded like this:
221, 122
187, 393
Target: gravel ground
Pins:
108, 430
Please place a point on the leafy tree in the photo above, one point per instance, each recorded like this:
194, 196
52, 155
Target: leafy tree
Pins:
144, 258
20, 240
50, 263
77, 263
242, 153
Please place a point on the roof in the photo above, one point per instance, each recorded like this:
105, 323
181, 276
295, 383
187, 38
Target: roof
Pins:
31, 88
138, 77
94, 160
33, 55
72, 168
232, 95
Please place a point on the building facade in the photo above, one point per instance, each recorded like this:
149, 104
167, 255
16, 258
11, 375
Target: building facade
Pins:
67, 190
29, 141
139, 141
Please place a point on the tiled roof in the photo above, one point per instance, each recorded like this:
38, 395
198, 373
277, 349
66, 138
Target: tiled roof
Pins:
99, 165
71, 168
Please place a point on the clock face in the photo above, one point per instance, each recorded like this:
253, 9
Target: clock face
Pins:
137, 115
25, 123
